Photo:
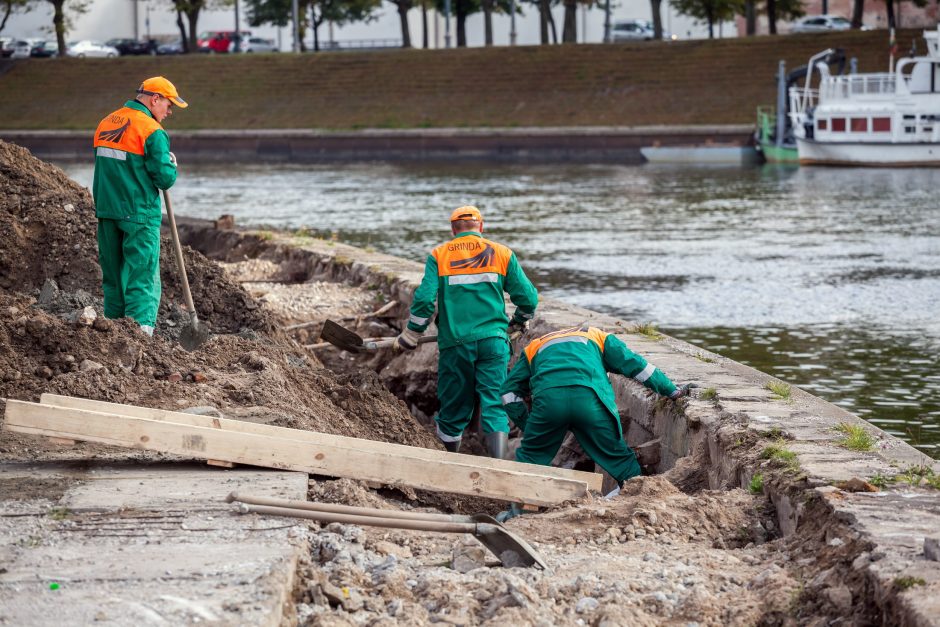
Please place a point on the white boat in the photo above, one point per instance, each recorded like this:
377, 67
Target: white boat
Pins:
880, 119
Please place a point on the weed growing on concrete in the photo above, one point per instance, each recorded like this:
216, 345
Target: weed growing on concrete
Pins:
648, 329
919, 475
778, 452
707, 360
775, 433
59, 513
709, 394
266, 235
757, 484
880, 481
906, 583
856, 437
780, 390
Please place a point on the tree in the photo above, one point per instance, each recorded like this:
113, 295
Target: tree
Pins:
750, 18
656, 8
403, 7
190, 9
858, 9
709, 11
60, 21
9, 7
342, 12
782, 9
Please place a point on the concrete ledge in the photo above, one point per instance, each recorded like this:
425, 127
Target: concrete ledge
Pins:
731, 432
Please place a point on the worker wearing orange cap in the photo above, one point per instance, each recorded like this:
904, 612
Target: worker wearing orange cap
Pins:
133, 163
465, 279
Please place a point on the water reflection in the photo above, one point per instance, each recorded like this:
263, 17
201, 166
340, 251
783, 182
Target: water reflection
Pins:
826, 277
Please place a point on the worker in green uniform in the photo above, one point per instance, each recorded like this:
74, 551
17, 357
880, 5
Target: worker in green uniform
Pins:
565, 373
465, 278
133, 163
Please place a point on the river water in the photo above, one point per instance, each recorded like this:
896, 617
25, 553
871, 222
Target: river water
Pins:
827, 278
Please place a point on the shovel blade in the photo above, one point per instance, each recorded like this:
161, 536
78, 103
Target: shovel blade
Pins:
193, 335
341, 337
511, 549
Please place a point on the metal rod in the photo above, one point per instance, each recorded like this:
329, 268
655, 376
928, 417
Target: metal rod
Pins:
367, 521
342, 509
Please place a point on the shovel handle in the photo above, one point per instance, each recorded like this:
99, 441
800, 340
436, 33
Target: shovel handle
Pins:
372, 346
178, 249
368, 521
344, 509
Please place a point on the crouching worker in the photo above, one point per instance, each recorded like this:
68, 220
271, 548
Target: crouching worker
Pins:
565, 373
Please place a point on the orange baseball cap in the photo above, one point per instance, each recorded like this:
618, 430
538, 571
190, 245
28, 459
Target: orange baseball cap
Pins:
160, 86
466, 213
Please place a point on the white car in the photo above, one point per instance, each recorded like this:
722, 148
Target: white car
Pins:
634, 30
87, 48
255, 44
821, 24
21, 49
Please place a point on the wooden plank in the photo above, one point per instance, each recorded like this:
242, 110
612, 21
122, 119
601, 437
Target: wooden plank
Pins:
288, 454
593, 480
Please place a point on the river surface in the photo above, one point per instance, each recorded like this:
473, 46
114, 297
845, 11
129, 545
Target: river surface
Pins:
826, 278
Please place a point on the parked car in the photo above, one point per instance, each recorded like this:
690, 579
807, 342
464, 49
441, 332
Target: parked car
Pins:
820, 24
218, 41
255, 44
44, 49
21, 49
6, 47
634, 30
173, 47
133, 46
88, 48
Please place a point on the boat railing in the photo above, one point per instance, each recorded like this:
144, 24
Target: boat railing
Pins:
855, 85
802, 99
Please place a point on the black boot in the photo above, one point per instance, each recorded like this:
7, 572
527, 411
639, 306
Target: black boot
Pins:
452, 447
497, 444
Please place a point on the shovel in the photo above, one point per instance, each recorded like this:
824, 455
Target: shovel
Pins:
343, 338
192, 335
503, 543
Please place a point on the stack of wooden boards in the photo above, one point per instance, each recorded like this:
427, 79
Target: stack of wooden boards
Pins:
224, 442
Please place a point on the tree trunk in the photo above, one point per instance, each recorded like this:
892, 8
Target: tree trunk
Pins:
193, 17
858, 8
544, 13
772, 16
711, 24
569, 31
184, 40
424, 24
487, 6
403, 7
58, 19
889, 5
461, 13
655, 6
315, 27
750, 18
6, 16
551, 25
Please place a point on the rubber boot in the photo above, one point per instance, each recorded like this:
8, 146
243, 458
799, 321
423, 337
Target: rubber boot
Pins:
497, 444
452, 447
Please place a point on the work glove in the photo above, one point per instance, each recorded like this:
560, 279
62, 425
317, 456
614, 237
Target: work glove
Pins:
173, 159
407, 340
683, 390
516, 329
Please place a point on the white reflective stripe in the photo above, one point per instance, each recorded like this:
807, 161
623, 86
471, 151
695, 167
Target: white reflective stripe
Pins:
645, 374
470, 279
417, 320
561, 340
112, 153
448, 438
511, 398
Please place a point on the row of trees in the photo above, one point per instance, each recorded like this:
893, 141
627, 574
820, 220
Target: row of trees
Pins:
316, 12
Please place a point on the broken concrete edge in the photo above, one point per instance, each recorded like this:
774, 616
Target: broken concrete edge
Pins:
735, 430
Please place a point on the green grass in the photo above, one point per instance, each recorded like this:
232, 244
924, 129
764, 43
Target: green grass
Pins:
881, 481
59, 513
648, 329
756, 486
856, 438
707, 360
265, 235
915, 475
709, 394
775, 433
906, 583
780, 390
778, 452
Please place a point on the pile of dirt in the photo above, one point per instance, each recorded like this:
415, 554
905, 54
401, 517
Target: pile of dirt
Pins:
54, 337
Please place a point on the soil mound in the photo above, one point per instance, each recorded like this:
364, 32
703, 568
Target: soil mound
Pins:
54, 337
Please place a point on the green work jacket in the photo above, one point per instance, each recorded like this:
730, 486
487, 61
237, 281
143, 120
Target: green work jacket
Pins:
132, 165
579, 356
465, 279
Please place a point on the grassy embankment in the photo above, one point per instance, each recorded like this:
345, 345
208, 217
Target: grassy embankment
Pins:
694, 82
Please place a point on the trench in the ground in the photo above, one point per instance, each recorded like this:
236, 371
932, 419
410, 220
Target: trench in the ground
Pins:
661, 434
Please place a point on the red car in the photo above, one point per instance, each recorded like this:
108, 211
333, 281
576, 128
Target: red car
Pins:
218, 41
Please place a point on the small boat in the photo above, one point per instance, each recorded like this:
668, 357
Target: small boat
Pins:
706, 154
878, 119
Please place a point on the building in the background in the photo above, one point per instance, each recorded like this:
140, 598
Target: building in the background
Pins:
107, 19
875, 15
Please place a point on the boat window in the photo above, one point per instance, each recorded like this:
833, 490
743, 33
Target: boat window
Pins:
838, 125
822, 124
881, 125
859, 125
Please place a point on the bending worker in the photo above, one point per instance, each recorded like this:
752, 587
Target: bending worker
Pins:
565, 373
133, 163
466, 278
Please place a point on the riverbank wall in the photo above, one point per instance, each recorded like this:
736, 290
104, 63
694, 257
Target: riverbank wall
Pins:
872, 544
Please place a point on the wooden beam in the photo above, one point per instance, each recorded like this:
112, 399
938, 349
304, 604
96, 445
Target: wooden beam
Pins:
289, 453
593, 480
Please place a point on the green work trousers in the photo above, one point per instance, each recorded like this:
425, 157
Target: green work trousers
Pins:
129, 254
464, 373
578, 409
